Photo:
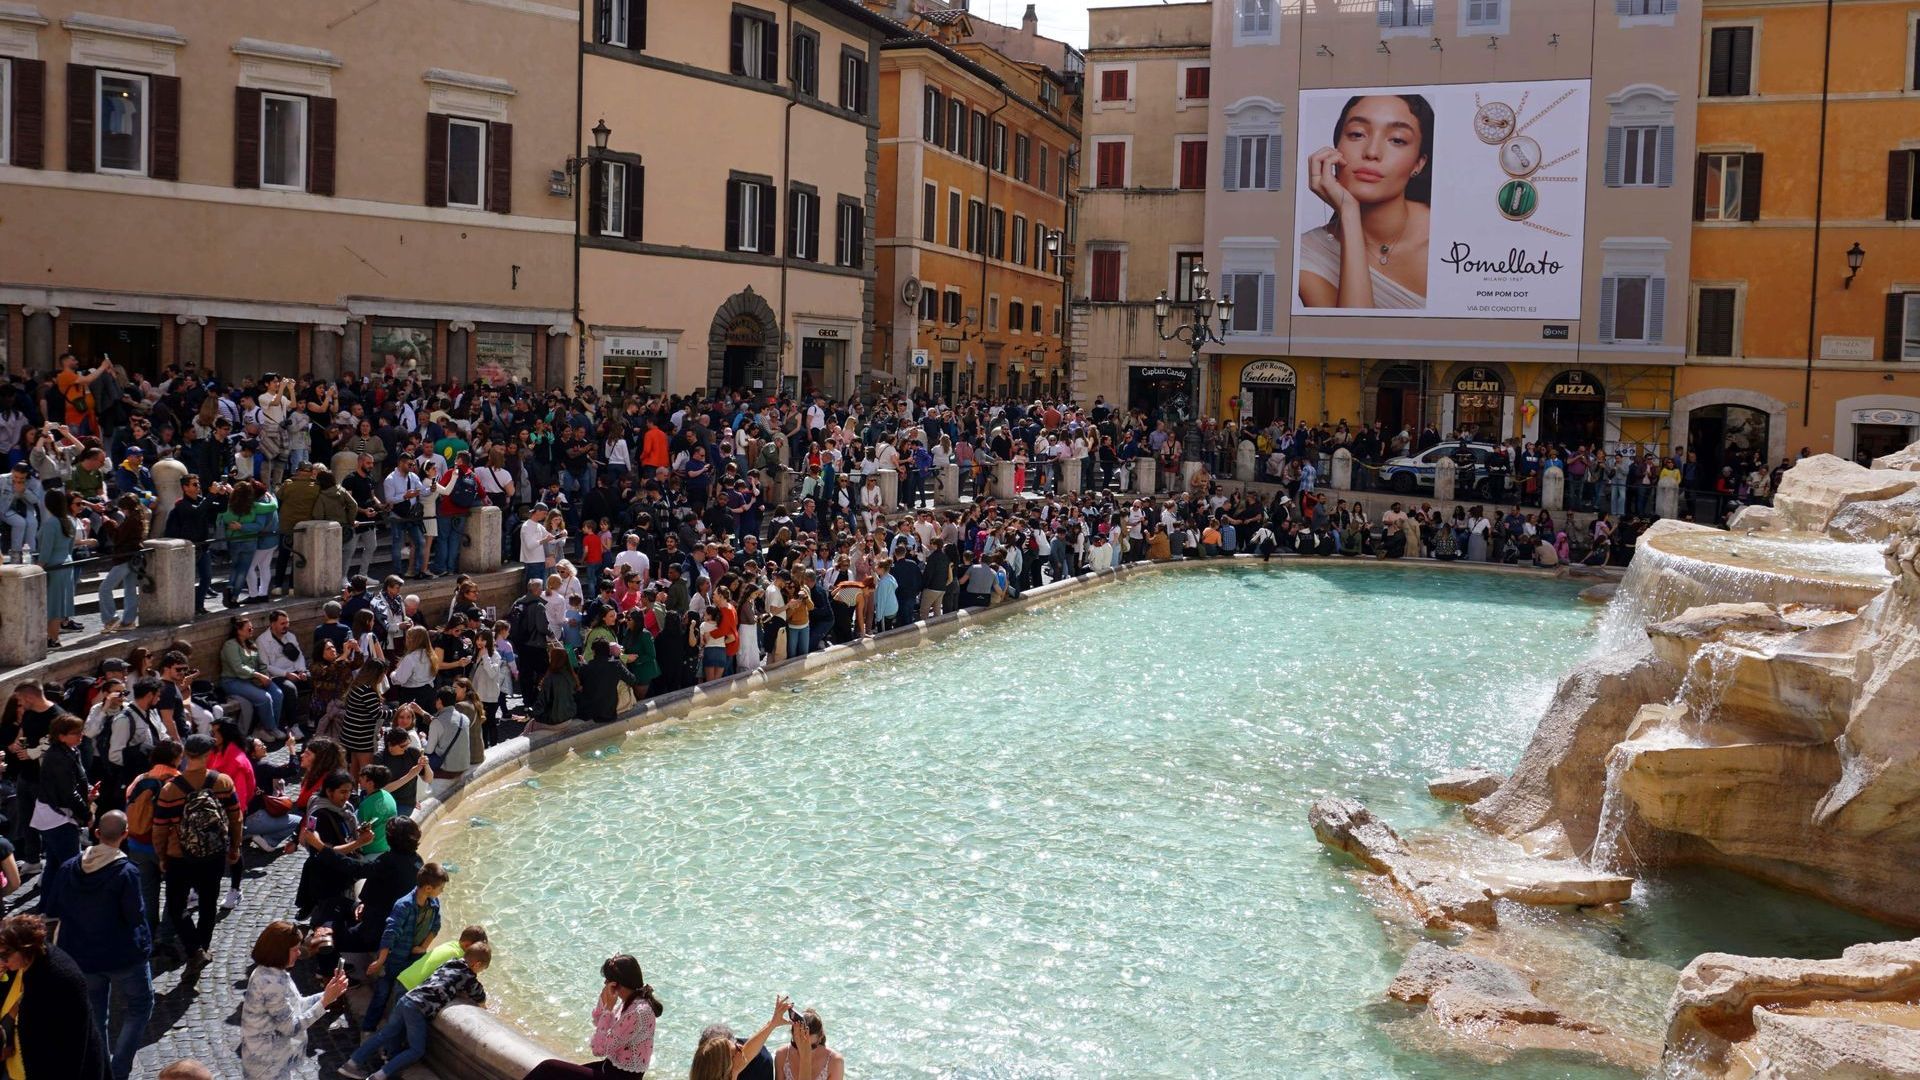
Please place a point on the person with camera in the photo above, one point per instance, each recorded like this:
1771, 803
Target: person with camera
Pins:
405, 494
20, 495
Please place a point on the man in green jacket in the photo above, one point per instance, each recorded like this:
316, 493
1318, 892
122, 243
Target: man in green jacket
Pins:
297, 497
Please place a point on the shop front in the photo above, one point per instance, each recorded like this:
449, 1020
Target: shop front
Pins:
1162, 391
245, 352
823, 359
1881, 431
1268, 390
502, 355
133, 341
1479, 404
1573, 409
635, 363
1397, 397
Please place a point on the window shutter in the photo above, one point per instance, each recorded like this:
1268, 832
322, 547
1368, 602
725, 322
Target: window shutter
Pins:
1607, 286
1266, 304
733, 215
1273, 161
1423, 12
29, 114
500, 168
1231, 181
1386, 13
1896, 326
770, 54
636, 28
1622, 7
793, 224
80, 107
1750, 179
1616, 155
163, 163
1719, 62
1740, 74
597, 199
1656, 311
1669, 7
1663, 162
636, 200
246, 137
1899, 176
738, 60
1699, 187
767, 202
603, 20
813, 230
436, 160
322, 133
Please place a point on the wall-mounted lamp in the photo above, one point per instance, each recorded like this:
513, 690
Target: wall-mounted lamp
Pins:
1383, 49
1436, 46
1856, 258
1323, 50
1553, 41
1493, 42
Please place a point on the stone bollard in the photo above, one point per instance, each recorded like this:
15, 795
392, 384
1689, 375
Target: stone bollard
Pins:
1446, 475
345, 461
317, 567
1245, 463
949, 485
1190, 472
167, 474
1002, 481
1343, 469
171, 565
1666, 498
1553, 489
1146, 476
889, 489
1070, 476
480, 553
23, 615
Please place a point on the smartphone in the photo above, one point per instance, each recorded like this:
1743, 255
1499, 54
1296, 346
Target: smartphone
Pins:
793, 1016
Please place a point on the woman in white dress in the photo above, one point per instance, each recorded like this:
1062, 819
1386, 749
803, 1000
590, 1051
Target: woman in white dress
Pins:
1377, 180
275, 1015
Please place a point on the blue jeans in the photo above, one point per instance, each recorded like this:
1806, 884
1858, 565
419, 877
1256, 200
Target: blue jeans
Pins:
383, 992
536, 571
203, 568
407, 1026
446, 545
136, 986
404, 531
1619, 500
58, 845
121, 574
267, 701
796, 641
274, 830
241, 552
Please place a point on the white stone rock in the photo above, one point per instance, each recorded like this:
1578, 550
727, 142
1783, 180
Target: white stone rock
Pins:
1468, 785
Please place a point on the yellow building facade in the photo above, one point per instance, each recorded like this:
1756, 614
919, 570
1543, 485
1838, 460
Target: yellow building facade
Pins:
1809, 131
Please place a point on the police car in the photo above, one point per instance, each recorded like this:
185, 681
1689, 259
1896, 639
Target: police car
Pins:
1407, 475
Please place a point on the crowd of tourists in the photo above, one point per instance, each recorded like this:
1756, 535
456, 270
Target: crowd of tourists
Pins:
663, 541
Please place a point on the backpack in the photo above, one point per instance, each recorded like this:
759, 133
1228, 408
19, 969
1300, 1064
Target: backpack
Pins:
517, 621
203, 822
466, 492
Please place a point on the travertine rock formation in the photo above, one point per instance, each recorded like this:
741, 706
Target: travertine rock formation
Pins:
1468, 785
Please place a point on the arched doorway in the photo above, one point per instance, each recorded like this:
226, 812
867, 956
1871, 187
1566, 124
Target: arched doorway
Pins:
1479, 399
1266, 392
1721, 435
743, 345
1573, 409
1396, 404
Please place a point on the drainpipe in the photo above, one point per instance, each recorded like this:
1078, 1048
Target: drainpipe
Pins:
579, 149
1819, 198
986, 217
786, 172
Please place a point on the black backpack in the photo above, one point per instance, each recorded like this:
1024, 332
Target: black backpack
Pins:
466, 492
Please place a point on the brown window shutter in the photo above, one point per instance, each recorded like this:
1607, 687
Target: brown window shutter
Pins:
770, 53
1896, 326
596, 197
436, 160
636, 24
29, 114
1750, 180
737, 62
80, 108
1699, 187
500, 168
1899, 177
164, 162
793, 224
733, 216
322, 133
767, 200
246, 137
636, 199
813, 229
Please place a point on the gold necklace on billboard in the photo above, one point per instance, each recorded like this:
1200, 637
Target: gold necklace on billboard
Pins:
1386, 249
1520, 156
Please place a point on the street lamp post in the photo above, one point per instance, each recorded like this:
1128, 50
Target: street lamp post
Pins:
575, 166
1202, 320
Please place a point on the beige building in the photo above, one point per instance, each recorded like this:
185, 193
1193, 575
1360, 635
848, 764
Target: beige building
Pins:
1142, 218
315, 187
727, 224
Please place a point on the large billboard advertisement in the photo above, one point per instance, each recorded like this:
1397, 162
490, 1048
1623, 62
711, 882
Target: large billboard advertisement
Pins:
1464, 201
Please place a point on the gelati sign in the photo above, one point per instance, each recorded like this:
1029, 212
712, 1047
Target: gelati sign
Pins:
1479, 380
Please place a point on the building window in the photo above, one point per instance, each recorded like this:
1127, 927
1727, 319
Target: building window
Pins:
803, 224
1481, 14
1196, 83
1033, 318
1729, 187
1903, 185
976, 226
1252, 147
1016, 317
1193, 163
1000, 148
1022, 158
993, 313
1113, 85
1641, 9
1250, 157
977, 137
613, 199
1040, 178
950, 307
853, 83
623, 23
850, 229
1020, 239
1110, 164
1403, 13
1904, 323
804, 61
1253, 301
1633, 308
929, 304
120, 133
6, 111
1184, 264
933, 115
756, 46
1105, 278
1714, 327
997, 233
283, 142
1730, 62
956, 129
750, 215
1640, 155
466, 163
1254, 19
1059, 319
953, 219
930, 215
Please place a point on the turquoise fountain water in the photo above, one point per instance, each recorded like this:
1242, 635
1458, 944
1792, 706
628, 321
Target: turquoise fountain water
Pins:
1074, 844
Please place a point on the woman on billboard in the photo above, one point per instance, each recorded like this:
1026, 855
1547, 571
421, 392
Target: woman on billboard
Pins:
1377, 179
